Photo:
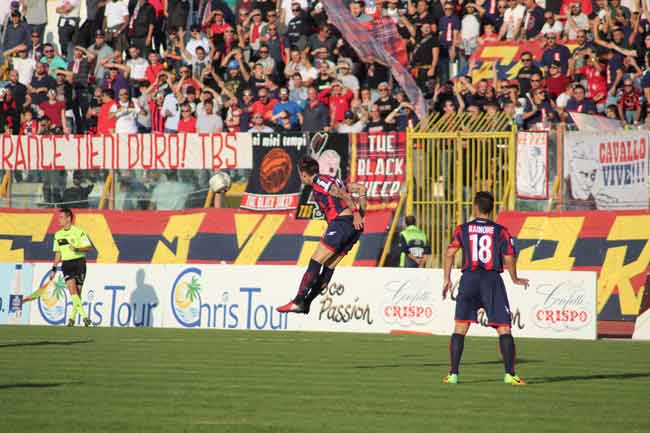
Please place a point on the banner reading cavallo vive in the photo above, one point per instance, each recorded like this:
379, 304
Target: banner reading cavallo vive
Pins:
126, 151
332, 153
379, 162
274, 183
606, 172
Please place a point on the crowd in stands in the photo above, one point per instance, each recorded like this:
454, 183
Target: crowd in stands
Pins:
279, 65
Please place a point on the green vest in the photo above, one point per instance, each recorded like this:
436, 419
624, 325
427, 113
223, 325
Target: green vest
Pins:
415, 240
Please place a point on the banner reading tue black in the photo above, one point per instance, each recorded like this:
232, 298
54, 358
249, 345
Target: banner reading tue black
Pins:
274, 183
332, 153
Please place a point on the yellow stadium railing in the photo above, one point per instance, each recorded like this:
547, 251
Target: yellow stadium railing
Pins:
450, 157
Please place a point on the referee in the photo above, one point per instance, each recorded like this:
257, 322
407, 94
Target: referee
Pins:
70, 247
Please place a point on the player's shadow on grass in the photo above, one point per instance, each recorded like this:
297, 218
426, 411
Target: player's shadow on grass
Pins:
446, 364
619, 376
35, 385
44, 343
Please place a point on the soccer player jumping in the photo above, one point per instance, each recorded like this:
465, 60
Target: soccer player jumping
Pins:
70, 247
487, 247
345, 225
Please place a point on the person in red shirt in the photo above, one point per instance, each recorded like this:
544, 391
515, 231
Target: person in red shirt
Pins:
556, 82
154, 67
217, 25
338, 100
264, 105
187, 122
629, 103
596, 77
106, 124
54, 110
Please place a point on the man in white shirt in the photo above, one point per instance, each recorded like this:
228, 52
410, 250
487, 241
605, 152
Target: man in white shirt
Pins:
206, 121
171, 113
116, 13
125, 112
137, 66
576, 21
512, 20
23, 65
551, 25
68, 23
196, 40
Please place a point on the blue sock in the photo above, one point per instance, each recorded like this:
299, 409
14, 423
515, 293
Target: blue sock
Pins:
456, 346
508, 351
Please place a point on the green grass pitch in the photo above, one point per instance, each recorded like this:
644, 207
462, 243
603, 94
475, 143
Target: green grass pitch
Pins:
63, 380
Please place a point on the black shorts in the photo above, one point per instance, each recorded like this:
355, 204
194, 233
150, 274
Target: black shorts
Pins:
341, 235
74, 269
483, 289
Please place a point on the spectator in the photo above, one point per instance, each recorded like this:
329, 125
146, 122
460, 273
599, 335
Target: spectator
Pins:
52, 61
537, 110
11, 112
297, 26
17, 89
171, 112
29, 125
17, 32
534, 21
512, 20
629, 104
375, 122
402, 117
142, 22
207, 121
115, 79
143, 120
555, 53
35, 49
125, 113
286, 106
36, 16
556, 82
345, 75
99, 54
579, 103
22, 64
351, 124
54, 110
258, 124
576, 21
68, 23
448, 29
264, 105
551, 25
385, 103
187, 121
40, 84
527, 71
316, 115
116, 21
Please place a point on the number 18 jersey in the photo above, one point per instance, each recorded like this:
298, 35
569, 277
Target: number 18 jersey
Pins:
484, 244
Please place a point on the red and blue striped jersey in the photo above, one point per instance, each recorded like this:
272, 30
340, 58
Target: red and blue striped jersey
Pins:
484, 244
329, 205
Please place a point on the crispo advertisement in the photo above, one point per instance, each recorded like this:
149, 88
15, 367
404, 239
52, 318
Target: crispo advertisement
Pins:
379, 300
193, 236
615, 244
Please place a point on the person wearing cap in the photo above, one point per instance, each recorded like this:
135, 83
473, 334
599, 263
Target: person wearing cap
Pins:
17, 32
99, 54
338, 99
402, 117
556, 81
345, 75
351, 124
286, 106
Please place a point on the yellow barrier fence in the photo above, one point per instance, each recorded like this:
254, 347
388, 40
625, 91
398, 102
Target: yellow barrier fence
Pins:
449, 159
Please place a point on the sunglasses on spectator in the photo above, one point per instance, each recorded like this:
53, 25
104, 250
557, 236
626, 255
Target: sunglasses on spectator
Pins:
526, 59
35, 35
535, 80
295, 10
284, 117
185, 111
627, 85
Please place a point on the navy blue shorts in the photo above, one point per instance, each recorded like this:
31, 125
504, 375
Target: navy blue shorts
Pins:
483, 289
341, 235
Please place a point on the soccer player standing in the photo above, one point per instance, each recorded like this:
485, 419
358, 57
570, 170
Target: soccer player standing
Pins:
486, 247
70, 247
344, 228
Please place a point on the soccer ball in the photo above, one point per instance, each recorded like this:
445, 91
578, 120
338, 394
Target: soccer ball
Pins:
220, 182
